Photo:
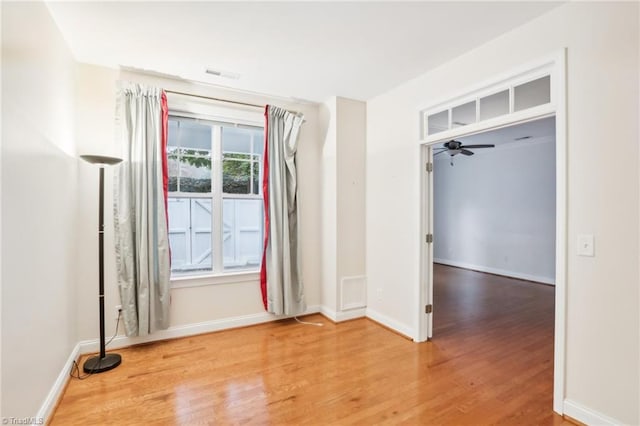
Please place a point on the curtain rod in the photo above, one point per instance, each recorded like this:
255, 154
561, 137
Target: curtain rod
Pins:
216, 99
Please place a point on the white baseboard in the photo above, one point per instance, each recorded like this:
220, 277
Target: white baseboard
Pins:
49, 404
390, 323
587, 415
90, 346
339, 316
496, 271
329, 313
351, 314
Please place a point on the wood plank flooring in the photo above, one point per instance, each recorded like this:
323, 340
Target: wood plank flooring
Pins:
491, 362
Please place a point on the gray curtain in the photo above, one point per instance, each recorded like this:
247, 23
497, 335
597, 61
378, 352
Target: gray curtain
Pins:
141, 236
281, 282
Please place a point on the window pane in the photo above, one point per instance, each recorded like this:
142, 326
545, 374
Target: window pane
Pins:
190, 234
533, 93
195, 174
235, 139
258, 141
173, 165
172, 135
179, 232
494, 105
241, 160
463, 114
438, 122
257, 183
236, 174
242, 234
194, 135
201, 234
189, 155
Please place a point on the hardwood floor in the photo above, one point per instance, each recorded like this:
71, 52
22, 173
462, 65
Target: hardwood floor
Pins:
491, 362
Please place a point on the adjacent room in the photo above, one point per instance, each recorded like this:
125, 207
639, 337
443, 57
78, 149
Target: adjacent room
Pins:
216, 212
494, 210
494, 249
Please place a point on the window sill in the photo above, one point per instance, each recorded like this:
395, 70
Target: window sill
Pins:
214, 279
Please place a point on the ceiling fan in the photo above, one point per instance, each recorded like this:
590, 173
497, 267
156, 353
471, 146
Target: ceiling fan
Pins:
454, 148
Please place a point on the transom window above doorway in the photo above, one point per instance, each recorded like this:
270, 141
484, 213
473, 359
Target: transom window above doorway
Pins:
487, 104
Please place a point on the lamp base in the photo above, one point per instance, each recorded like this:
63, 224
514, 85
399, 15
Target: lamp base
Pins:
99, 365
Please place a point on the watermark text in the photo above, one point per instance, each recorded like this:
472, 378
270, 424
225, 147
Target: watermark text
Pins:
22, 421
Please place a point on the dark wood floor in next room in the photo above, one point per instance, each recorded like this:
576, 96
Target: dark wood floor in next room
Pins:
491, 362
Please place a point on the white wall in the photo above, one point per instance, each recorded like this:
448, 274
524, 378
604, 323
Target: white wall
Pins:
39, 191
351, 136
329, 186
495, 211
191, 305
343, 207
602, 333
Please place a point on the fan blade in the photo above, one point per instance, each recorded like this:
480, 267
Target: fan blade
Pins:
465, 152
440, 152
478, 146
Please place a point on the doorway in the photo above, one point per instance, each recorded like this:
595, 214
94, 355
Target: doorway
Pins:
454, 119
494, 232
494, 209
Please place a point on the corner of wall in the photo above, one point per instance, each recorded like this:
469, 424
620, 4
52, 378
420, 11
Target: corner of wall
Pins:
39, 160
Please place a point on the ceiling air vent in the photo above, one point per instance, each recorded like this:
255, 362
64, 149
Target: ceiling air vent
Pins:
220, 73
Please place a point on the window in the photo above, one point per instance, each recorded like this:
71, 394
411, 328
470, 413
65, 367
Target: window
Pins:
494, 105
463, 114
488, 104
532, 93
215, 196
438, 122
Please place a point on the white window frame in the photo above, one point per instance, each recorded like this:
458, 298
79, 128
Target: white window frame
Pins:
211, 111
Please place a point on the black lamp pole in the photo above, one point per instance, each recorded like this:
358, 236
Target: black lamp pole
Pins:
104, 361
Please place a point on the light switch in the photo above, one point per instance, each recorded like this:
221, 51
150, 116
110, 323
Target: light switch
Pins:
585, 245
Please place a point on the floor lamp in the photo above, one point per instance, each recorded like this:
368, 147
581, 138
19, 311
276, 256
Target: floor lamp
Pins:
104, 361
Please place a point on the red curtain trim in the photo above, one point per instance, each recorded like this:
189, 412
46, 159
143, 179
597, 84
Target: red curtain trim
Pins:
265, 196
164, 111
165, 166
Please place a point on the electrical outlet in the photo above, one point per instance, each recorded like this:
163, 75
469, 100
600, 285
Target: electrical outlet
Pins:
118, 310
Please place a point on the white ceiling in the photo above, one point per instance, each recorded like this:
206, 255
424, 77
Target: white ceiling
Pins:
541, 130
305, 50
535, 131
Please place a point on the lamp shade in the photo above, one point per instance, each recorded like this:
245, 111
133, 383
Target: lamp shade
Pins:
101, 159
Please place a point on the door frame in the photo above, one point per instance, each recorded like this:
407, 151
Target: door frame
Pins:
554, 65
